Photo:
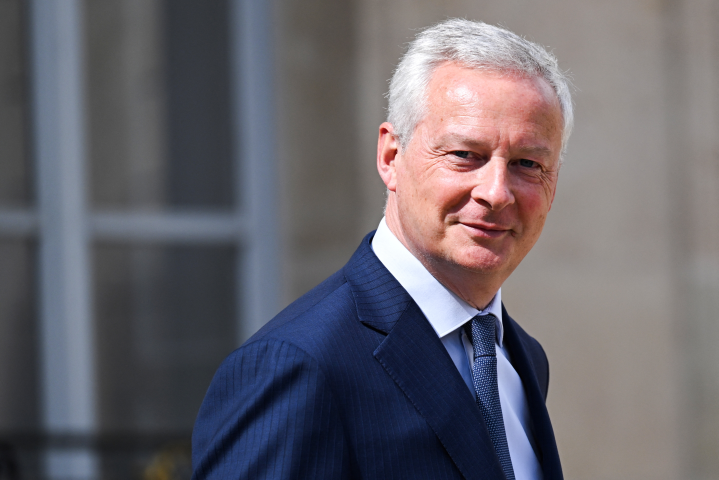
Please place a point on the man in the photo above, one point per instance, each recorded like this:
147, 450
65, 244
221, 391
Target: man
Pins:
404, 364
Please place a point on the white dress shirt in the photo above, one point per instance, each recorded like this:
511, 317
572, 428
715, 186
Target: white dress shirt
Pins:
447, 313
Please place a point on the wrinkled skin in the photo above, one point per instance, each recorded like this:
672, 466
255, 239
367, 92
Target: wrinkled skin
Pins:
470, 193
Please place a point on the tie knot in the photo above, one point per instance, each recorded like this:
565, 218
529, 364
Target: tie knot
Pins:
484, 335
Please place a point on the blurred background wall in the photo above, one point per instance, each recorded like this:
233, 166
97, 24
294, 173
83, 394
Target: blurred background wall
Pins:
173, 172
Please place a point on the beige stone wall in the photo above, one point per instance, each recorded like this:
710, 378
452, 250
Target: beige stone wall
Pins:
623, 287
319, 159
693, 171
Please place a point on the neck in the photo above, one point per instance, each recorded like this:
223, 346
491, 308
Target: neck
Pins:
476, 288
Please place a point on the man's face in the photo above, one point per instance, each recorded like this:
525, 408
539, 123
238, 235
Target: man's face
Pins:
475, 183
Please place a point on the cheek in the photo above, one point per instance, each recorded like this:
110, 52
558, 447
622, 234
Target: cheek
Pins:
534, 206
450, 187
409, 192
422, 184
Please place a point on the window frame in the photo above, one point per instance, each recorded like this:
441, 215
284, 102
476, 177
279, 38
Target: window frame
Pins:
66, 227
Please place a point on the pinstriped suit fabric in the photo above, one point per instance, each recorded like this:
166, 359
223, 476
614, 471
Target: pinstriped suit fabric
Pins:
348, 382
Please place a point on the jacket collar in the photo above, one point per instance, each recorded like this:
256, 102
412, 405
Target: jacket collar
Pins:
379, 298
415, 358
542, 427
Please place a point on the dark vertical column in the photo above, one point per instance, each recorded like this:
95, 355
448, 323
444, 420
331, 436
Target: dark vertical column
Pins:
199, 109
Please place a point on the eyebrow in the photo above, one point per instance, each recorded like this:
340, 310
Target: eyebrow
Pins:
537, 150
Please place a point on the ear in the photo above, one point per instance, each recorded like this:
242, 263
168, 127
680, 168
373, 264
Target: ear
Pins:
387, 152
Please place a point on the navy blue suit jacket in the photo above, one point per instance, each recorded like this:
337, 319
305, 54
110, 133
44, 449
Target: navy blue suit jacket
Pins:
352, 382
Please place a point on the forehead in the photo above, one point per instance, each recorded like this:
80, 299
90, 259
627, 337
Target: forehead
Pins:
462, 96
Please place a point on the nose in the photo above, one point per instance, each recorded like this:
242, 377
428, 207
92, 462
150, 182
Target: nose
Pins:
493, 188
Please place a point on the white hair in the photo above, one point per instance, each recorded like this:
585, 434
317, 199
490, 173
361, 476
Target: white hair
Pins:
475, 45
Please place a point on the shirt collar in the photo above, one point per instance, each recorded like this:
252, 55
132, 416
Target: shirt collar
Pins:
445, 311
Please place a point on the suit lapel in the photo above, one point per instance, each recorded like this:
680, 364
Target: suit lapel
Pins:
416, 360
543, 432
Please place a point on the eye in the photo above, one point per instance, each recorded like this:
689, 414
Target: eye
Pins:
461, 154
527, 163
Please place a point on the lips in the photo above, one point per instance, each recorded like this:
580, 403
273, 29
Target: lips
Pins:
486, 230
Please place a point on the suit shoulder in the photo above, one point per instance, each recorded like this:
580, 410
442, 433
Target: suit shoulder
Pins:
530, 343
269, 382
331, 291
319, 322
536, 354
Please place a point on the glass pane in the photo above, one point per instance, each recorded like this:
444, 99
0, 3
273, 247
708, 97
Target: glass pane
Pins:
199, 103
15, 172
159, 104
18, 337
165, 321
126, 103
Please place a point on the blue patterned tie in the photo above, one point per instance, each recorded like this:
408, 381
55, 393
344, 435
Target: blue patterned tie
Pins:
485, 386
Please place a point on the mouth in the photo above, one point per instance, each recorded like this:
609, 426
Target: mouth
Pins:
486, 230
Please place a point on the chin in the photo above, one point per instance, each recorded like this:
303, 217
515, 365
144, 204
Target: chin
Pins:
483, 262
